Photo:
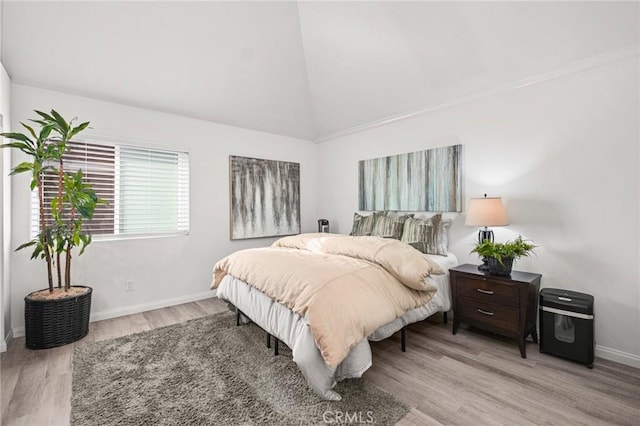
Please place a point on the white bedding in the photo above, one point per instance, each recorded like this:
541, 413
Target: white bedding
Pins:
292, 329
441, 302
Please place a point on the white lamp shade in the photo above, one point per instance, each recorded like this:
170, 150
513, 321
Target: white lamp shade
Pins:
487, 211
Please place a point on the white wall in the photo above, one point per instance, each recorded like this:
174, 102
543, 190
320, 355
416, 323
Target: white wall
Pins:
1, 35
5, 214
564, 155
164, 270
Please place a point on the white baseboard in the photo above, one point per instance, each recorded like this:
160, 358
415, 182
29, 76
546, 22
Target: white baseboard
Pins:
6, 342
618, 356
136, 309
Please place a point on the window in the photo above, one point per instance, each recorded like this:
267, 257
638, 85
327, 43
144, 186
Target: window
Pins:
146, 190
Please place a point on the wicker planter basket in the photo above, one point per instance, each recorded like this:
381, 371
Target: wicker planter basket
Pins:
495, 268
52, 323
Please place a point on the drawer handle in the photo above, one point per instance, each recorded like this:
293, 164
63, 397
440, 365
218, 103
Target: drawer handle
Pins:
485, 312
484, 291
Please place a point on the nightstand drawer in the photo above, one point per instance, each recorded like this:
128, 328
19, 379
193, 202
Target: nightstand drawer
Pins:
499, 316
487, 291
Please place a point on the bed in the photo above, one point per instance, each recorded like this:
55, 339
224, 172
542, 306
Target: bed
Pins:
295, 331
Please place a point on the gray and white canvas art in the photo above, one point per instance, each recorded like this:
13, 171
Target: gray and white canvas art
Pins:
427, 180
265, 197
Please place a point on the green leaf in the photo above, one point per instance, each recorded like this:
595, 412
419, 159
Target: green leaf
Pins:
54, 210
25, 245
30, 129
44, 115
62, 147
62, 123
78, 129
21, 168
38, 251
17, 136
510, 249
51, 151
46, 131
40, 122
86, 240
18, 145
85, 212
22, 146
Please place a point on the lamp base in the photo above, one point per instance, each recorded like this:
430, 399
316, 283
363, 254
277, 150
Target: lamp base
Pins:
485, 234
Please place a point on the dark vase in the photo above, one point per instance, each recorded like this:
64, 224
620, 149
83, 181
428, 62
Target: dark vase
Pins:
52, 323
495, 268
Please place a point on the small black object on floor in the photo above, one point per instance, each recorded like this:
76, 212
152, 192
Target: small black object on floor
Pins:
566, 325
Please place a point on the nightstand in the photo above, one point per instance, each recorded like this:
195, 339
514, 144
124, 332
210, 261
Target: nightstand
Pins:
503, 305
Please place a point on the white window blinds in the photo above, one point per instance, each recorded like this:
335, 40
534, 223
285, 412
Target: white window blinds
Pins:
153, 191
146, 190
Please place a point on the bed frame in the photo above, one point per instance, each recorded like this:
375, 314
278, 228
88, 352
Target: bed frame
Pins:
403, 334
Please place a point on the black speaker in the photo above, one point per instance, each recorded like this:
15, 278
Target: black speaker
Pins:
323, 225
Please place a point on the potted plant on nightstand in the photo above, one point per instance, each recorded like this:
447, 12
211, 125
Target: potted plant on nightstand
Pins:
58, 315
500, 256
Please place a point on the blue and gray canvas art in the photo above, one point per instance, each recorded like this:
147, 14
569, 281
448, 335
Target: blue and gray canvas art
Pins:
265, 197
427, 180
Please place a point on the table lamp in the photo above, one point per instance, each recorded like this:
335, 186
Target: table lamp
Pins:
486, 211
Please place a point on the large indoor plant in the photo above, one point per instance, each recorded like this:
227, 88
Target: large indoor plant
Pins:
58, 315
500, 256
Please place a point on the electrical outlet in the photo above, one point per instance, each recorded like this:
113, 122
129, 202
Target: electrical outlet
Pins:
128, 285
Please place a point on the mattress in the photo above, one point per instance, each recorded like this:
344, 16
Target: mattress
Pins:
290, 328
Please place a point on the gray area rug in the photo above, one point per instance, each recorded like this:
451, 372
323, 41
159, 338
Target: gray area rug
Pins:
207, 371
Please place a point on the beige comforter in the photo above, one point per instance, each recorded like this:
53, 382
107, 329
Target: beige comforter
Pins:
347, 287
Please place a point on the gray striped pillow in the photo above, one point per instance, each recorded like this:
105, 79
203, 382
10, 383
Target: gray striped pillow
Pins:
417, 229
363, 225
389, 227
428, 235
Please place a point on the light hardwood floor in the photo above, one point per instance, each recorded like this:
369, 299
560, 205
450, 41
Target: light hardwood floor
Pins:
468, 379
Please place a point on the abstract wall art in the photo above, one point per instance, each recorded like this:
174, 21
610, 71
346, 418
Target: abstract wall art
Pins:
265, 197
418, 181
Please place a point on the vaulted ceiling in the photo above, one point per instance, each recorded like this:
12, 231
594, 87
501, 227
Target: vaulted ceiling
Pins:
303, 69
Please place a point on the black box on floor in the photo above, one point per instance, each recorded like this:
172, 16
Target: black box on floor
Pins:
566, 324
